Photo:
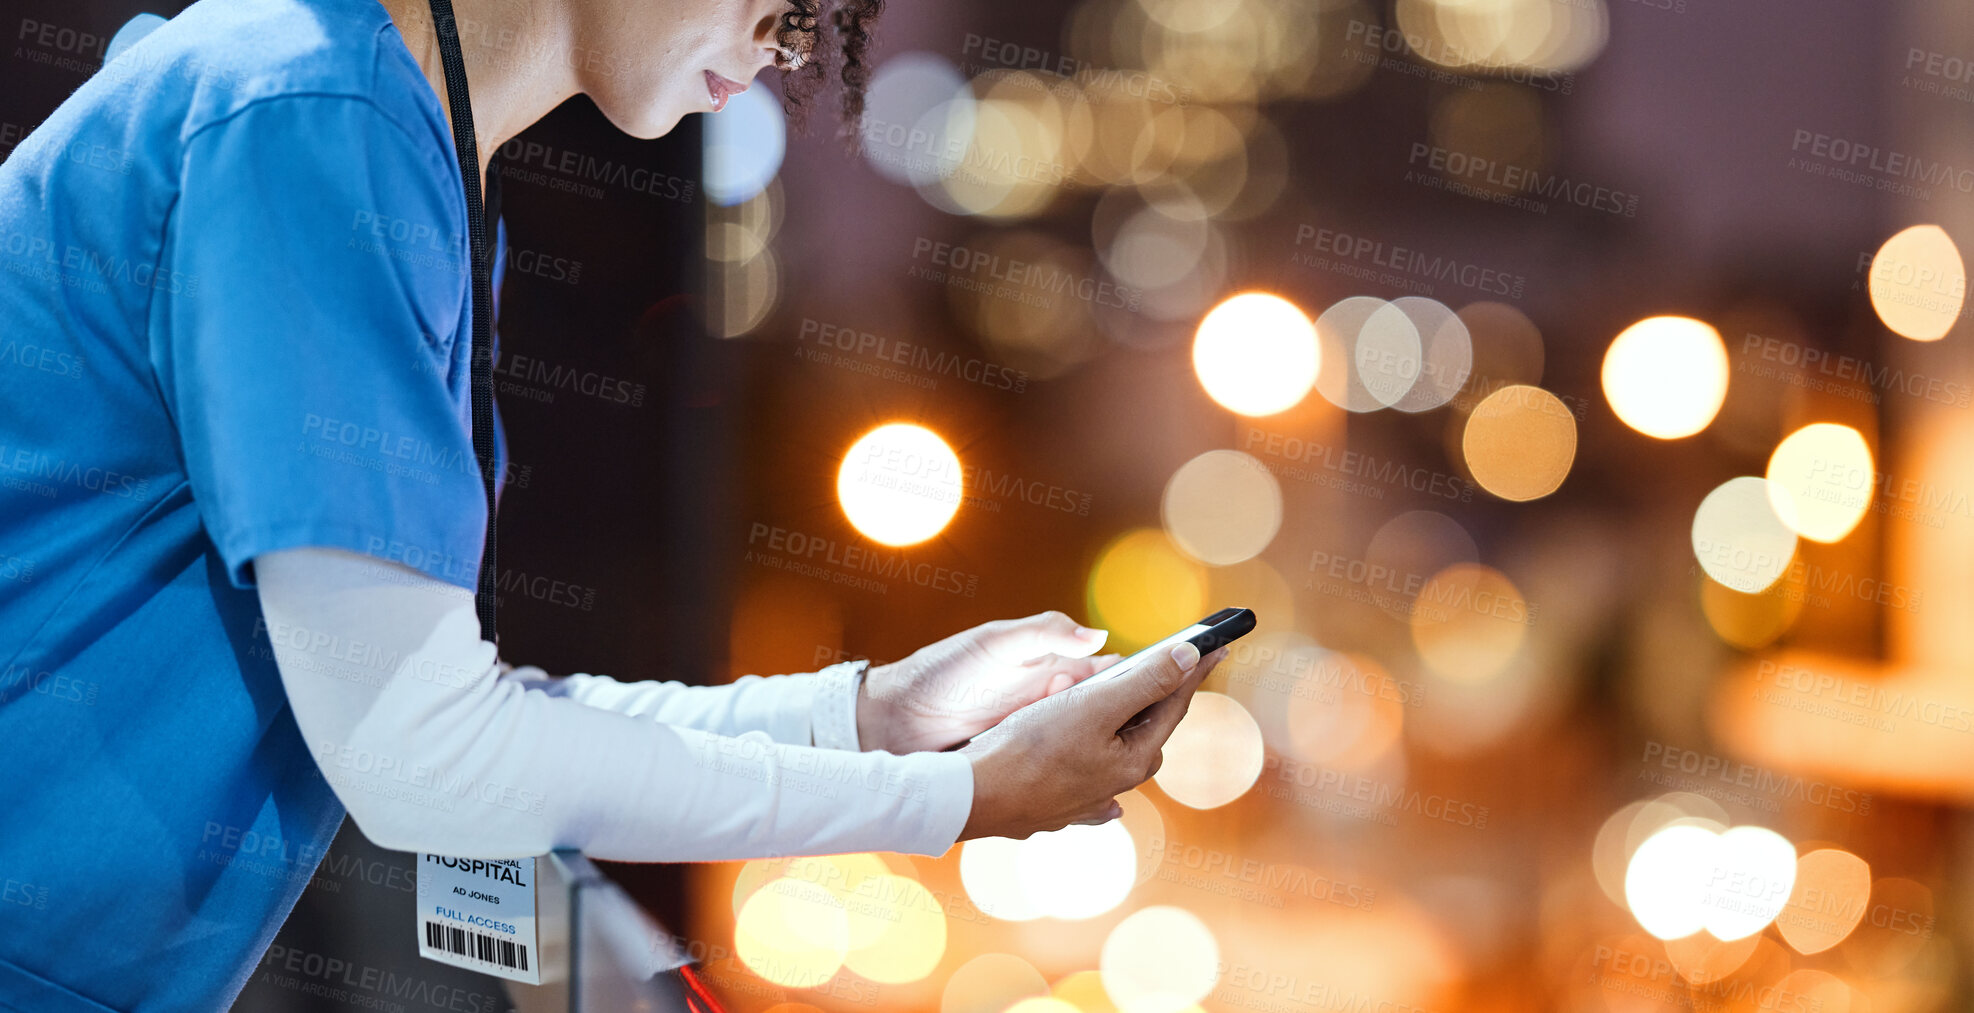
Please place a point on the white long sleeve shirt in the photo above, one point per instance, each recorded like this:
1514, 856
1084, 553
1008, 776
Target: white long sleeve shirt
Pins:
435, 745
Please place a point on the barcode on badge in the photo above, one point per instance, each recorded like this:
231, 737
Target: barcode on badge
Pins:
476, 945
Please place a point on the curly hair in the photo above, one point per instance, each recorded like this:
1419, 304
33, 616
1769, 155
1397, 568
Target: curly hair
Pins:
809, 65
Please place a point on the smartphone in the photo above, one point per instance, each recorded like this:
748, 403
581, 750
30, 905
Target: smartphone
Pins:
1220, 628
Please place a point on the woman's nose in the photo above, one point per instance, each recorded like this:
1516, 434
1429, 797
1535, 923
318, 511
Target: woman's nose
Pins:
767, 47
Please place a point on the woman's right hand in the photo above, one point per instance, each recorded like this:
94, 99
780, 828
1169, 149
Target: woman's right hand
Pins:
1064, 758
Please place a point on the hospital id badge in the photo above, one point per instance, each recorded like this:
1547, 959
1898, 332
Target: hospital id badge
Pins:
479, 914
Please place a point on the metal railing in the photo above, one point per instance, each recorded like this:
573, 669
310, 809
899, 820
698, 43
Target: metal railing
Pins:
600, 952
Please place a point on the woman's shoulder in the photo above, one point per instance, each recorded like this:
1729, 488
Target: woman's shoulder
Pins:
220, 57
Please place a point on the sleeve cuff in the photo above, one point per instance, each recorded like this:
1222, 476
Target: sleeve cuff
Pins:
948, 802
833, 706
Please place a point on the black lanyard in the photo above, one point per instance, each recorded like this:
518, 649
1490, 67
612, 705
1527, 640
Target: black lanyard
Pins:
476, 228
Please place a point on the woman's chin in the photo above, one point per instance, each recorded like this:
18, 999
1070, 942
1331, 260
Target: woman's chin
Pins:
654, 120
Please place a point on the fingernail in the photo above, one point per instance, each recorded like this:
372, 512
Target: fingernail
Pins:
1087, 633
1186, 655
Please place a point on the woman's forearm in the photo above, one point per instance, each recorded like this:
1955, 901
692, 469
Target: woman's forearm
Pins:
800, 710
431, 749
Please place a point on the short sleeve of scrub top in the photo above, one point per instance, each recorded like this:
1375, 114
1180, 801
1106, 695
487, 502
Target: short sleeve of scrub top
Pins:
317, 362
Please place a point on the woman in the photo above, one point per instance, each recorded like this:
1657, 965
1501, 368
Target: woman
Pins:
240, 519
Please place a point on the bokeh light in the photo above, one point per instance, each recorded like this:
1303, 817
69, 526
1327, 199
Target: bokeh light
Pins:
1077, 872
1749, 885
1389, 355
1161, 959
1829, 898
842, 875
1519, 442
1703, 958
1738, 536
744, 146
1610, 855
1083, 991
1264, 671
1214, 754
1222, 507
1233, 168
1626, 830
1821, 480
990, 870
1370, 353
990, 983
1256, 354
793, 933
1142, 588
910, 930
1316, 55
1918, 283
1497, 35
1146, 825
1686, 877
1666, 376
1042, 1004
1468, 621
1751, 621
1012, 161
899, 484
1446, 353
743, 277
742, 232
1154, 244
1114, 154
1349, 713
1662, 884
1191, 281
1671, 808
918, 117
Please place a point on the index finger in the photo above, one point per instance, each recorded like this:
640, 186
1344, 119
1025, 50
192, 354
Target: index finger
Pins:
1052, 632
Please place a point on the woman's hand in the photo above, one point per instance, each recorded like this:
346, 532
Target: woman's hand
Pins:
948, 692
1064, 759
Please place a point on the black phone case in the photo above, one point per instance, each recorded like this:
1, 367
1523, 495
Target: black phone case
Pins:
1228, 625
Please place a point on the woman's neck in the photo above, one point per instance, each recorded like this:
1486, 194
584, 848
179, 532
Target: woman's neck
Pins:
517, 64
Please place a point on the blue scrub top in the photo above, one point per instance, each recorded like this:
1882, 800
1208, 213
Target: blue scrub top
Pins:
234, 318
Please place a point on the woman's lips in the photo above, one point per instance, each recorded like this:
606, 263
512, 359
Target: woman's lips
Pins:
719, 89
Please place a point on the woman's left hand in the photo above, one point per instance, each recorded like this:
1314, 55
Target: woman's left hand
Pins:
948, 692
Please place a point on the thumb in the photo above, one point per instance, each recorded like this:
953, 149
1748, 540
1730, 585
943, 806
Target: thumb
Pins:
1146, 683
